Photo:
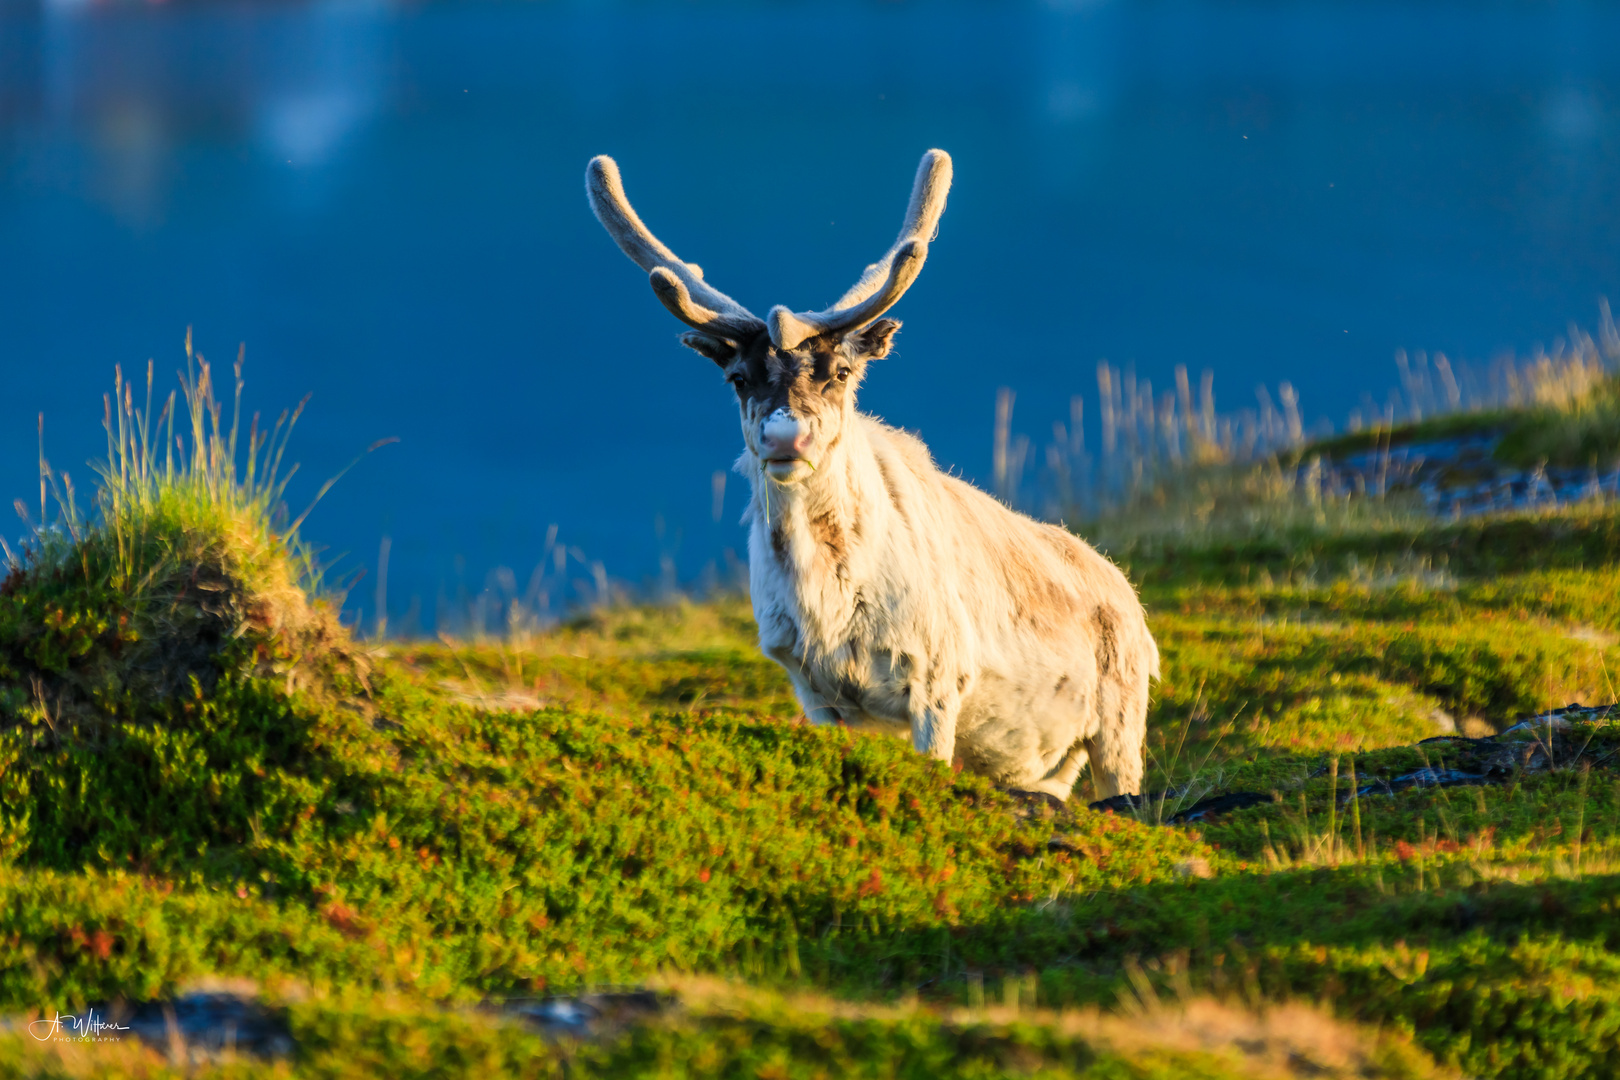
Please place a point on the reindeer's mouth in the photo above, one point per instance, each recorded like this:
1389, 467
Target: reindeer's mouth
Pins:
783, 469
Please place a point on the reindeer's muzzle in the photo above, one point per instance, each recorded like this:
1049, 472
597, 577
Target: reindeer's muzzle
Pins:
785, 447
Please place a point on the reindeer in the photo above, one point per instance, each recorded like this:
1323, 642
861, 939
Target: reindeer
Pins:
889, 590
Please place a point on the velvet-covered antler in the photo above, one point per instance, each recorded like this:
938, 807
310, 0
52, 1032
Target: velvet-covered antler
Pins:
679, 284
886, 280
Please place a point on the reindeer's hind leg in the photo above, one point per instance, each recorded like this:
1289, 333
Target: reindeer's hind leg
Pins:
1124, 669
1059, 779
1116, 750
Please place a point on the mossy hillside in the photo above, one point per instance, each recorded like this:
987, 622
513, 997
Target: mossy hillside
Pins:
1314, 662
93, 627
1360, 542
1479, 916
633, 795
1430, 429
1315, 682
491, 852
623, 663
1570, 417
360, 902
147, 651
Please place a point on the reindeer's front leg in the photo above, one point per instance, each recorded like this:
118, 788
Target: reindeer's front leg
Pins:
780, 642
778, 638
818, 708
935, 707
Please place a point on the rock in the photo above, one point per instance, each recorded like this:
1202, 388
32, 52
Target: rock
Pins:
1120, 804
209, 1026
1220, 804
587, 1015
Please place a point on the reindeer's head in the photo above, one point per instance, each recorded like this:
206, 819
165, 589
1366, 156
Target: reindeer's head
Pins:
795, 373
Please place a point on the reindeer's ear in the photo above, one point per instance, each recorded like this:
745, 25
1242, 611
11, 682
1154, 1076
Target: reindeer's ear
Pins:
721, 352
875, 341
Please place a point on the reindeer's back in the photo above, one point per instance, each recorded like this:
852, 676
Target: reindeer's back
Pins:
1045, 575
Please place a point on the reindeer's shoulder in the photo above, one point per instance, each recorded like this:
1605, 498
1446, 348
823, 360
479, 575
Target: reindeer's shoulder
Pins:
899, 450
897, 446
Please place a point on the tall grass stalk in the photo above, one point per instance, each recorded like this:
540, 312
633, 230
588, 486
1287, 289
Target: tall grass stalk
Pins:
1333, 807
1355, 808
176, 488
1151, 446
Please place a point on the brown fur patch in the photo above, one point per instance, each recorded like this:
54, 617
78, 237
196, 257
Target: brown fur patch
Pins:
830, 536
1038, 600
889, 488
1107, 621
802, 398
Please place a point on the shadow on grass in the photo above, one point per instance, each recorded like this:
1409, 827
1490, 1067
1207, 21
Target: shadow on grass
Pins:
1499, 977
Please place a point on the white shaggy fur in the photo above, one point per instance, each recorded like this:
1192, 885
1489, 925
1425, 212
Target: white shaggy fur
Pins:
1004, 640
887, 589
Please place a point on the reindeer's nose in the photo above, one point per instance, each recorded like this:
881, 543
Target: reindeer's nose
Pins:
783, 436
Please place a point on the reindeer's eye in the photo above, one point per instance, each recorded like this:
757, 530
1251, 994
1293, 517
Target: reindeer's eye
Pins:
843, 375
735, 379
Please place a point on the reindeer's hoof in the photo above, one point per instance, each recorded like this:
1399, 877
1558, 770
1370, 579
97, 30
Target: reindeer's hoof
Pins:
1117, 804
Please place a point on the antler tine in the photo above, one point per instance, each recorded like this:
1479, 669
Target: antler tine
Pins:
885, 281
927, 203
679, 285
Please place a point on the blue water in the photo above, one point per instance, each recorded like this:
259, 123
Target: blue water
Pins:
384, 202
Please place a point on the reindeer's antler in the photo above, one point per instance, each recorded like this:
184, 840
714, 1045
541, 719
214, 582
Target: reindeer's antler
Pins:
679, 285
886, 280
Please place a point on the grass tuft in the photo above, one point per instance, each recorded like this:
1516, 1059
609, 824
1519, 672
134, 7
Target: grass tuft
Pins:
186, 571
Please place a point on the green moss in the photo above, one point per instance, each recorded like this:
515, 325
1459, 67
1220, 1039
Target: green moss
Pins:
563, 849
193, 785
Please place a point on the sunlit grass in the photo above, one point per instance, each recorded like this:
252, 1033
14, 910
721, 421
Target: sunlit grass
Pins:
383, 841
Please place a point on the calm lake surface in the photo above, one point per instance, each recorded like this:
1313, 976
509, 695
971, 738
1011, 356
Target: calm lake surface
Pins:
385, 204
